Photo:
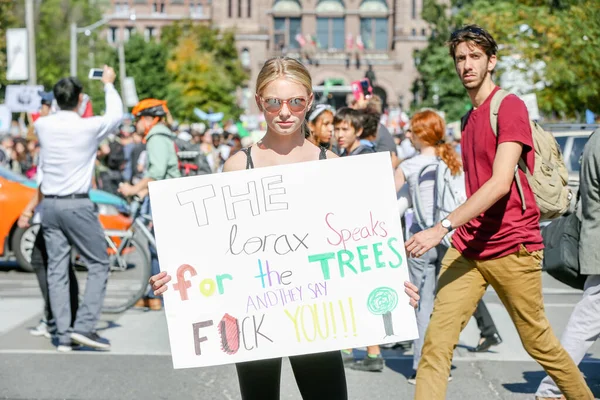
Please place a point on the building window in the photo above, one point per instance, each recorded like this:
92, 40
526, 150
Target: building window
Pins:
285, 32
239, 8
149, 33
158, 7
245, 58
129, 32
249, 8
414, 9
336, 6
112, 34
413, 32
331, 33
374, 33
230, 8
423, 32
196, 7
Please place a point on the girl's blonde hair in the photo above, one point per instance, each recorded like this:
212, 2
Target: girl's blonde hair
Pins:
289, 68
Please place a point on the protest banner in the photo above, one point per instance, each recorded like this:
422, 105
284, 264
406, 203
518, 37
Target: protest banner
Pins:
279, 261
23, 98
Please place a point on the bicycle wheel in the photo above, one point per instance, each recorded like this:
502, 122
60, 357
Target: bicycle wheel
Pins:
128, 277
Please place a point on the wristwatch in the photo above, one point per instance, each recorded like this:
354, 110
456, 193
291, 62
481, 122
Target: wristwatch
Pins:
447, 224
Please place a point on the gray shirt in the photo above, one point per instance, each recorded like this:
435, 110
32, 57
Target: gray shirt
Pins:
384, 140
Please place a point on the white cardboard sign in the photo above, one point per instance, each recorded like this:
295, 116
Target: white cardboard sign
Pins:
281, 261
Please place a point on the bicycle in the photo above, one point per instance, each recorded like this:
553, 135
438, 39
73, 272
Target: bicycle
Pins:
129, 262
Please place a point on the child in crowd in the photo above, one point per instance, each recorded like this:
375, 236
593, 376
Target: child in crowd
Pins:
350, 133
356, 130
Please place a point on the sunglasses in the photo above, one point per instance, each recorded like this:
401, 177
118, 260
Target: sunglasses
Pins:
470, 29
273, 104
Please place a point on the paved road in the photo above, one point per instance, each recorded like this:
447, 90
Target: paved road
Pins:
140, 365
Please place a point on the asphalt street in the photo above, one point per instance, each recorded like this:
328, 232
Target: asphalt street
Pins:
139, 366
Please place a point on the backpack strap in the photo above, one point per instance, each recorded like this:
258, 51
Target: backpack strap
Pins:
417, 204
464, 119
323, 154
494, 111
249, 162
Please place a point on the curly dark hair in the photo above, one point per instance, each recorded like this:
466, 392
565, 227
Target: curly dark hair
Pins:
474, 34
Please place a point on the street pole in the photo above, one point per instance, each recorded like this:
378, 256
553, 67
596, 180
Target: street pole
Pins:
122, 73
31, 41
73, 70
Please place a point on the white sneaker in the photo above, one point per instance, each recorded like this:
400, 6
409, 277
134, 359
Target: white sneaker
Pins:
64, 348
41, 330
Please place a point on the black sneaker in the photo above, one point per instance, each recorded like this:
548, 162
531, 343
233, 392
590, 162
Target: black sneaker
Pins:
372, 364
91, 339
488, 342
412, 379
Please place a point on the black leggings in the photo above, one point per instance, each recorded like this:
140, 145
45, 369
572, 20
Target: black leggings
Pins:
319, 376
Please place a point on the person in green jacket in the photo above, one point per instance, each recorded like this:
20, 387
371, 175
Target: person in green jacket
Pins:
151, 121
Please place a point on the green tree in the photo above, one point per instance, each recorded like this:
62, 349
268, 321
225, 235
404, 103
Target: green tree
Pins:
8, 19
205, 70
52, 21
564, 35
146, 62
438, 86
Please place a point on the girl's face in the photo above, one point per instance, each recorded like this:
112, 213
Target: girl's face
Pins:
284, 104
323, 127
19, 148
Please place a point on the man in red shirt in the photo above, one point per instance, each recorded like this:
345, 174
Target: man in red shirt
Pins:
495, 242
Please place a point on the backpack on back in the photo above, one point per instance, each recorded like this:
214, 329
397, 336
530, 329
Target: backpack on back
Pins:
549, 179
190, 161
449, 193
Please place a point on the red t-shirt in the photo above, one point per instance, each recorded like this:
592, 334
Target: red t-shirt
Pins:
501, 229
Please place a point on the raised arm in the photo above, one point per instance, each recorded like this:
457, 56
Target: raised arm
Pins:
113, 104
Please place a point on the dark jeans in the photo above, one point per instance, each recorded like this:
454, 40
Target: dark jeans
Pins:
39, 262
319, 376
485, 323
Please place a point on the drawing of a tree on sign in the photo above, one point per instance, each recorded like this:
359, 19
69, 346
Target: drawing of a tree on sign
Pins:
382, 301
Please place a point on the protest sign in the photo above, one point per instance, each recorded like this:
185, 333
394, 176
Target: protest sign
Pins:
278, 261
23, 98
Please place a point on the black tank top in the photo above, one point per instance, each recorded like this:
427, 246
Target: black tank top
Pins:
250, 164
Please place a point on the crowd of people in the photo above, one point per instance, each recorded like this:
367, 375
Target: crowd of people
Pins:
494, 230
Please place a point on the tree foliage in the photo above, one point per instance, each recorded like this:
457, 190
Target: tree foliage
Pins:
52, 21
146, 62
8, 19
563, 34
205, 70
438, 86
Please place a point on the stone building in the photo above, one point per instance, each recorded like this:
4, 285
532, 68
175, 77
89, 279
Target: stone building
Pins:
337, 39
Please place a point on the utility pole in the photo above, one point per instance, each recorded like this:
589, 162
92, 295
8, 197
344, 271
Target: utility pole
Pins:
122, 73
73, 69
31, 42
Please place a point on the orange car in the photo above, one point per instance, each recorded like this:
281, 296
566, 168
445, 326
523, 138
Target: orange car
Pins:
16, 191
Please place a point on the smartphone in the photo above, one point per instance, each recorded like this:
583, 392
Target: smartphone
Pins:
356, 89
361, 87
367, 89
96, 73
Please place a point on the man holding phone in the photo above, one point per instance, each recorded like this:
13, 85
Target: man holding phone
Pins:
68, 146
